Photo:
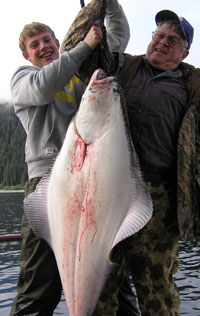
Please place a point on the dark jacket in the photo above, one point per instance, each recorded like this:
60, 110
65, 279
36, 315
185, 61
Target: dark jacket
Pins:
188, 151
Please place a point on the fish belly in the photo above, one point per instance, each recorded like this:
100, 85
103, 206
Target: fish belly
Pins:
91, 203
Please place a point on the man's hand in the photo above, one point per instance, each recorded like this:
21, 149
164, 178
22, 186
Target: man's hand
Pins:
93, 37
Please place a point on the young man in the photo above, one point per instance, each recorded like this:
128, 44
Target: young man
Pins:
46, 96
163, 97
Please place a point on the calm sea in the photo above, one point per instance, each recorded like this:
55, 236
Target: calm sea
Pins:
11, 210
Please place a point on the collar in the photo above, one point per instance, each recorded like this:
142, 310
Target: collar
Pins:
181, 71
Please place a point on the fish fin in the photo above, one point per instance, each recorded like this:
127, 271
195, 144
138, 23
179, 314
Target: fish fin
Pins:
35, 207
139, 213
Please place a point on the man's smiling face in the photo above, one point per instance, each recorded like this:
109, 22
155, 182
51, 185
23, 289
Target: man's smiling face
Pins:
41, 49
160, 55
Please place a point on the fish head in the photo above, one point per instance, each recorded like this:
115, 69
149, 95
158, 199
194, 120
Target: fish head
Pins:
97, 75
100, 80
97, 108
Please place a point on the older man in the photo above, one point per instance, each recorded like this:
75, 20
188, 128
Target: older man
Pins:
163, 97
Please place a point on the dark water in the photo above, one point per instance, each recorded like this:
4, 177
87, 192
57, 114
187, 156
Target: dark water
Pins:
11, 210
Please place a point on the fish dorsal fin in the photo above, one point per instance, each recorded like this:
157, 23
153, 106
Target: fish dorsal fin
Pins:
36, 209
137, 216
141, 209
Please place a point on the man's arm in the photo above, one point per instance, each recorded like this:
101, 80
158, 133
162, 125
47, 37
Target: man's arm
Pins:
31, 85
118, 31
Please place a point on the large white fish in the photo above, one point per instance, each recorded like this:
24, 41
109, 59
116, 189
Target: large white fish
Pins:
94, 197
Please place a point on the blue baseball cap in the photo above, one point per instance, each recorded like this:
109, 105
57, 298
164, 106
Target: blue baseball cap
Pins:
187, 28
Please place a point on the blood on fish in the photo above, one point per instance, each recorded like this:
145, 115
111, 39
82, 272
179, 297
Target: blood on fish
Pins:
79, 154
92, 98
72, 205
88, 209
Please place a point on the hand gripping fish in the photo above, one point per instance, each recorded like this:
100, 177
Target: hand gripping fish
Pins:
94, 196
91, 14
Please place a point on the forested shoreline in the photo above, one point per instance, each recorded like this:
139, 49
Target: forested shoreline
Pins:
13, 170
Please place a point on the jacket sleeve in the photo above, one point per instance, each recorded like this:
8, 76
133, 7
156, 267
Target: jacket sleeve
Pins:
34, 86
118, 31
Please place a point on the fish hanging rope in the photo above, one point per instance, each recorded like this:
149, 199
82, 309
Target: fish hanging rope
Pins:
101, 57
106, 57
82, 3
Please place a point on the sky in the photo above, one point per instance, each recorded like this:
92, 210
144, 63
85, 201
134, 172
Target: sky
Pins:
60, 15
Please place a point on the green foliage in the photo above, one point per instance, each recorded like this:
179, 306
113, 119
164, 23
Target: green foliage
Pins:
13, 171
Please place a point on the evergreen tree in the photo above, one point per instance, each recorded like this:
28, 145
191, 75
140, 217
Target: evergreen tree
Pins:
13, 170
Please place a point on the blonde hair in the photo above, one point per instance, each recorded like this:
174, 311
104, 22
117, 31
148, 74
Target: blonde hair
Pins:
31, 30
